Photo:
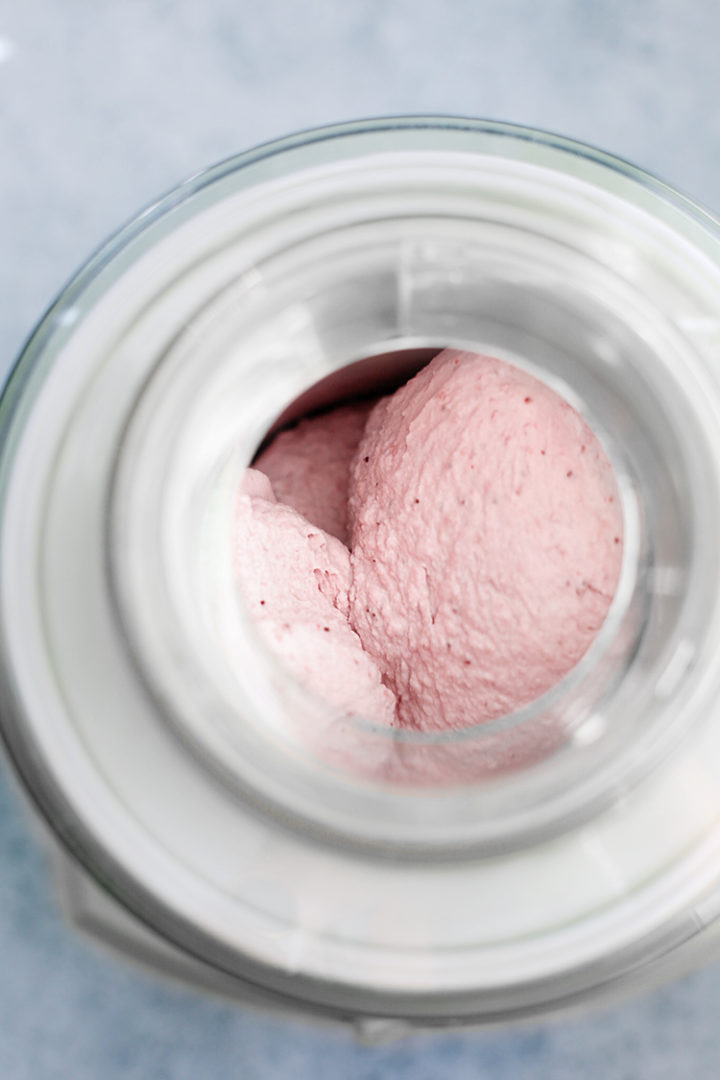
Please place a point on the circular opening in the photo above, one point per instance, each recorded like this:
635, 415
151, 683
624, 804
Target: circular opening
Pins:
470, 472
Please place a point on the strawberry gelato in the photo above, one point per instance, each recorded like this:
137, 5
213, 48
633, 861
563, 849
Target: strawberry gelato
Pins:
436, 560
308, 465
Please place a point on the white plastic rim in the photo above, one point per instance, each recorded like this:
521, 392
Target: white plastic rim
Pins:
506, 934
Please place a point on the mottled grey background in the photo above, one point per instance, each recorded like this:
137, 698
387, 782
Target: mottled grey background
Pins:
103, 105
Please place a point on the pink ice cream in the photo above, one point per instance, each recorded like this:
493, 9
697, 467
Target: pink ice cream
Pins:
295, 580
308, 464
486, 541
484, 548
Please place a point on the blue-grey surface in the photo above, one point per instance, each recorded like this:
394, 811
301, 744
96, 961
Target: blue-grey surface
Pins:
104, 105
